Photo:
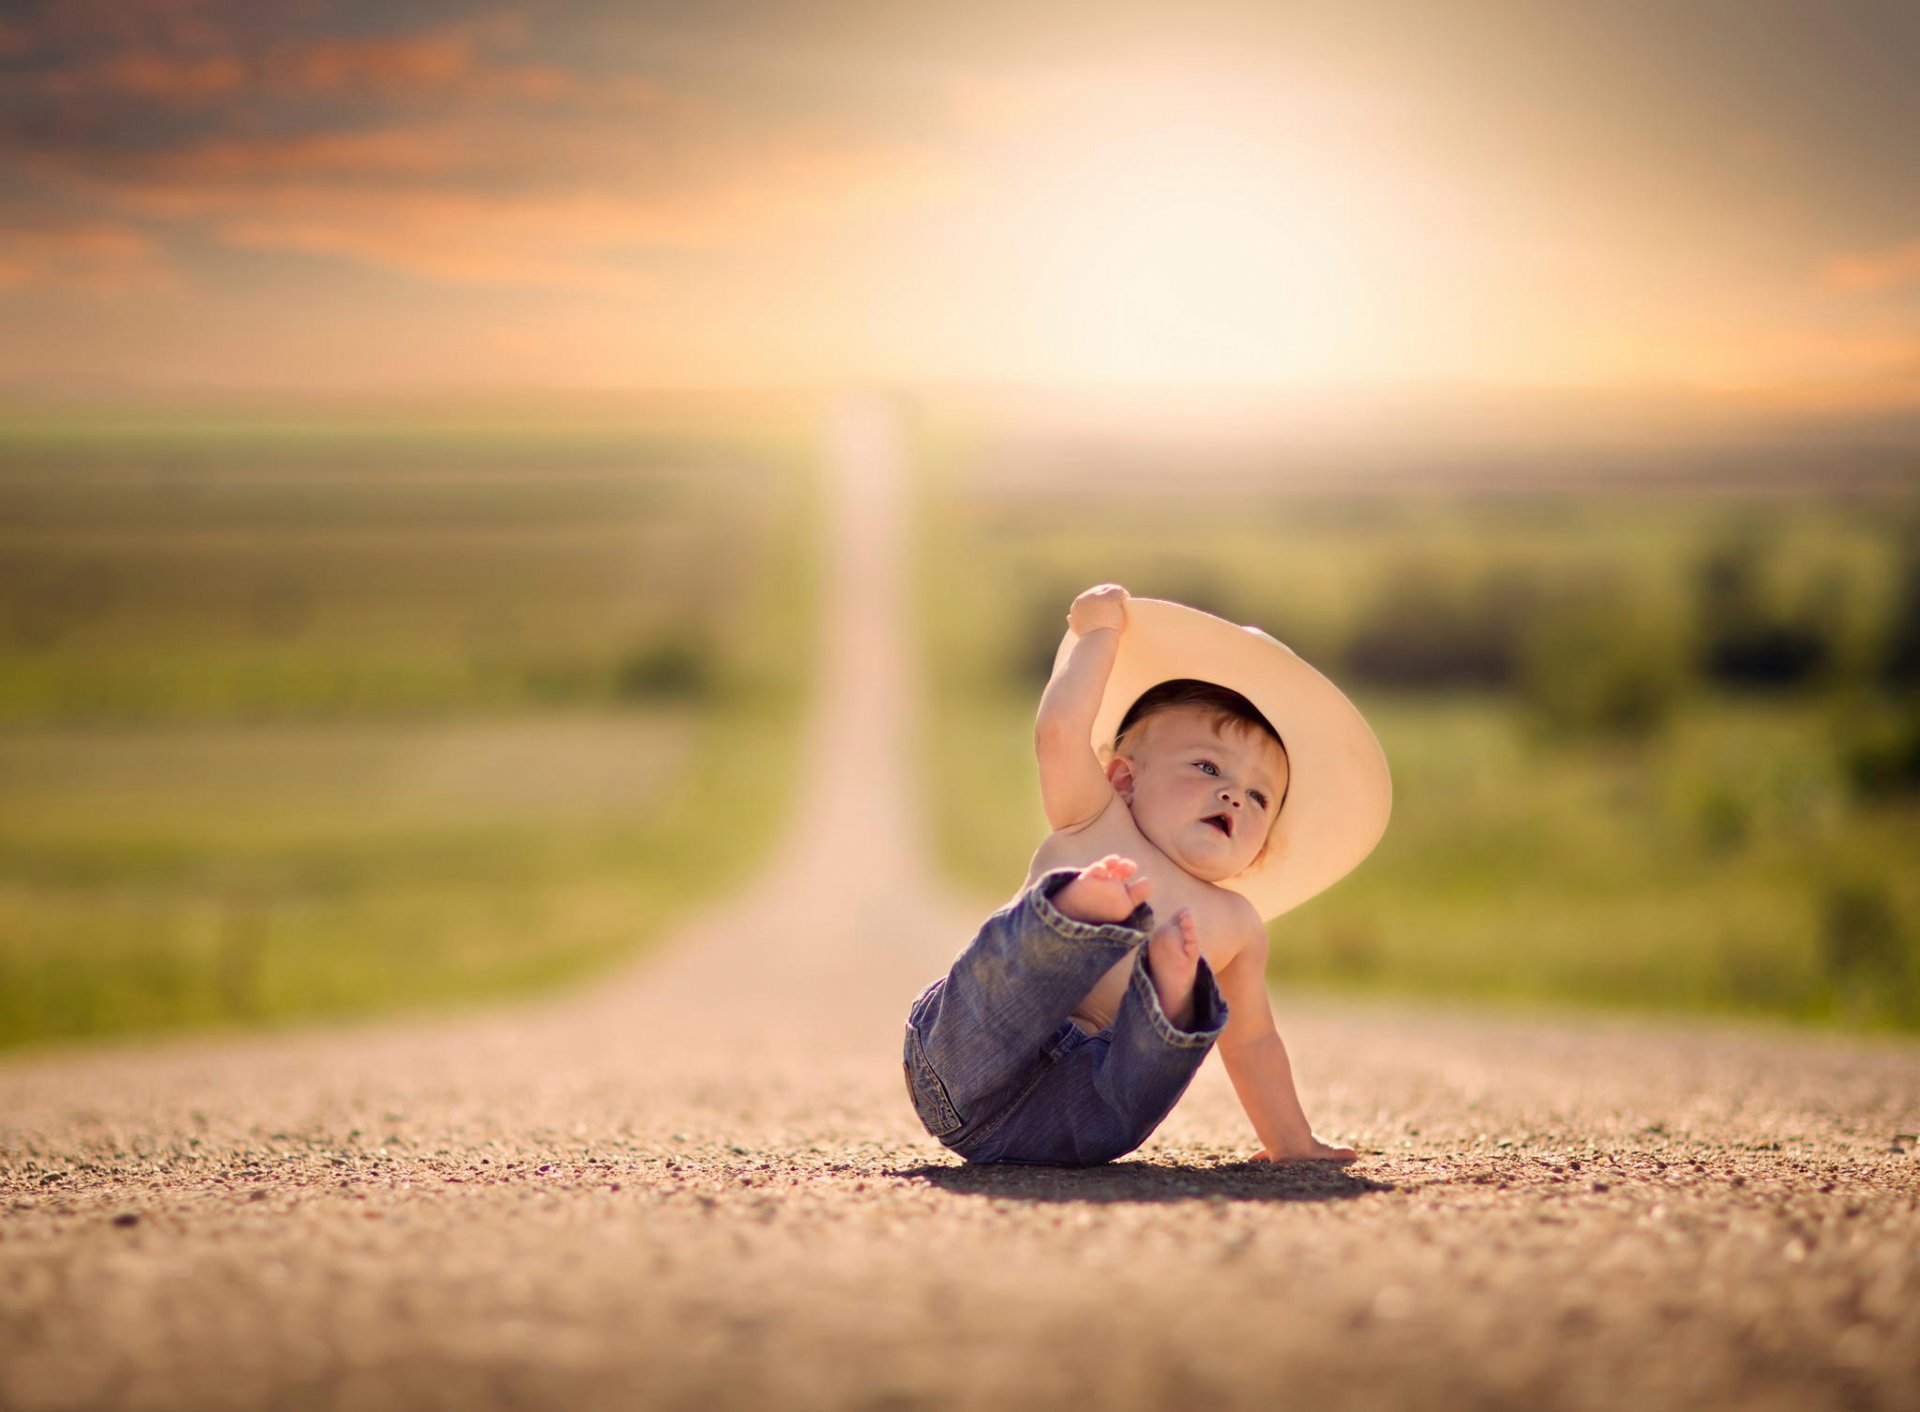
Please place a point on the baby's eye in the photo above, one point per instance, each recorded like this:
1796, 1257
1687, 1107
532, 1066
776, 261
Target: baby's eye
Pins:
1208, 766
1257, 797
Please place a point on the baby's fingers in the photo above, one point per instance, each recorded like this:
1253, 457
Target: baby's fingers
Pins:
1318, 1152
1102, 606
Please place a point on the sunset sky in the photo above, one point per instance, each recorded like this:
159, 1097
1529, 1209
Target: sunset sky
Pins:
293, 194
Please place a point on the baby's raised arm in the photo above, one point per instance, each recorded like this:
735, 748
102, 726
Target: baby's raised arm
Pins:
1073, 787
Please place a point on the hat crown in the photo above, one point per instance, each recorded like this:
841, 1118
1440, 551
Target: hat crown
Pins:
1339, 794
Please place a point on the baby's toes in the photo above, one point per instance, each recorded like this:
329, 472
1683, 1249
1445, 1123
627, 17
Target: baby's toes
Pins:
1105, 891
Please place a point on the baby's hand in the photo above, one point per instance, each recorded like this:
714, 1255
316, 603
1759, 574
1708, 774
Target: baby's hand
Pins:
1313, 1150
1102, 606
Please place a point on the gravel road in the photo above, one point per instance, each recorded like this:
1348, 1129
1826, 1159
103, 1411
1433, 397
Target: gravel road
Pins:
700, 1184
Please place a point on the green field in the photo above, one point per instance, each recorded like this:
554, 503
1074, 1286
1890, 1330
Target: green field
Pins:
300, 720
1601, 821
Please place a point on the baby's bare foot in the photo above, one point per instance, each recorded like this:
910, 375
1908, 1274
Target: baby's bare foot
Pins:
1173, 955
1106, 891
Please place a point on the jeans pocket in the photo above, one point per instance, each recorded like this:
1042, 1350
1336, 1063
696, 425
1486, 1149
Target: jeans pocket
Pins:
929, 1094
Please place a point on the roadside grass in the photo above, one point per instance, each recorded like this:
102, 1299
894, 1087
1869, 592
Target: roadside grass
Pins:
476, 756
119, 924
1719, 862
385, 590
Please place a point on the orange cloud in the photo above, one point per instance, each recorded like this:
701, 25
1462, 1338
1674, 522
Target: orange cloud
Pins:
426, 202
1875, 272
365, 155
155, 77
568, 193
94, 256
177, 25
569, 242
453, 59
432, 62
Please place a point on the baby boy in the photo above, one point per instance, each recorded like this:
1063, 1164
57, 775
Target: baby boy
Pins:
1071, 1024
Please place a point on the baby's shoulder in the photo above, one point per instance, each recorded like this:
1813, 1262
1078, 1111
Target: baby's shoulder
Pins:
1233, 921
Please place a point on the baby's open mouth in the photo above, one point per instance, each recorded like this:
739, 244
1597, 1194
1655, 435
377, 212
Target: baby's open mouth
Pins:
1223, 822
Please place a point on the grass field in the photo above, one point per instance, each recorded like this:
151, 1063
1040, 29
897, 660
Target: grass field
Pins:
296, 724
1720, 858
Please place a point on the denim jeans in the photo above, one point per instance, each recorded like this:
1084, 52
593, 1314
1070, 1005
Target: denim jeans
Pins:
998, 1072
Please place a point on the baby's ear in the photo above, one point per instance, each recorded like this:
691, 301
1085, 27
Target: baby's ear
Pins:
1120, 776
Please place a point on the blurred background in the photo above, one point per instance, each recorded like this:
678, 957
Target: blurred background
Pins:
410, 467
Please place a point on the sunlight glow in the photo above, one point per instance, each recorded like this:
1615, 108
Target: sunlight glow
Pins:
1173, 233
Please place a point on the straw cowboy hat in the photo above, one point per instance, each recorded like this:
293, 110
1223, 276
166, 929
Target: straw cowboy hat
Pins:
1338, 794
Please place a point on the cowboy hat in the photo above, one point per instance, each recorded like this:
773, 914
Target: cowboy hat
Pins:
1338, 793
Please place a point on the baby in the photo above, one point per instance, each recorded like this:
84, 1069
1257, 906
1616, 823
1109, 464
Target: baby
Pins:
1070, 1026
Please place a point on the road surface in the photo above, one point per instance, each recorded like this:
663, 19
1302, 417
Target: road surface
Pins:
700, 1185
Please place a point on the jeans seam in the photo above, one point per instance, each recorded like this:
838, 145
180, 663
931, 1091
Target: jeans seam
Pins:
932, 1086
1039, 898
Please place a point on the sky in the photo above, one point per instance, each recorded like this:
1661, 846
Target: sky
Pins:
1594, 194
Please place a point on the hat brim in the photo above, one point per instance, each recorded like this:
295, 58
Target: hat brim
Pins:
1339, 793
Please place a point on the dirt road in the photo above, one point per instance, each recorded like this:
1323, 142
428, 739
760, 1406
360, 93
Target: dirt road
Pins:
701, 1185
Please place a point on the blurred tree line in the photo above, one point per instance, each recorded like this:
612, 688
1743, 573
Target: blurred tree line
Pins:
1593, 651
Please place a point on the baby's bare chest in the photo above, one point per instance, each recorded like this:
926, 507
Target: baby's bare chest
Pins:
1173, 888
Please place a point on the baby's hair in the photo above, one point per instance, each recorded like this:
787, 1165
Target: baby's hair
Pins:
1223, 707
1217, 701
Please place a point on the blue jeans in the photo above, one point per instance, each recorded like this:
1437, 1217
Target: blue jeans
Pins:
999, 1073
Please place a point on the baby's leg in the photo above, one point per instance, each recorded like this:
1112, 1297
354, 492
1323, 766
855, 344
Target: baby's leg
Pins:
1155, 1051
1107, 1093
982, 1030
1173, 959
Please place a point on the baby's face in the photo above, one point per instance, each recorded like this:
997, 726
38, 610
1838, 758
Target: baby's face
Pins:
1202, 794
